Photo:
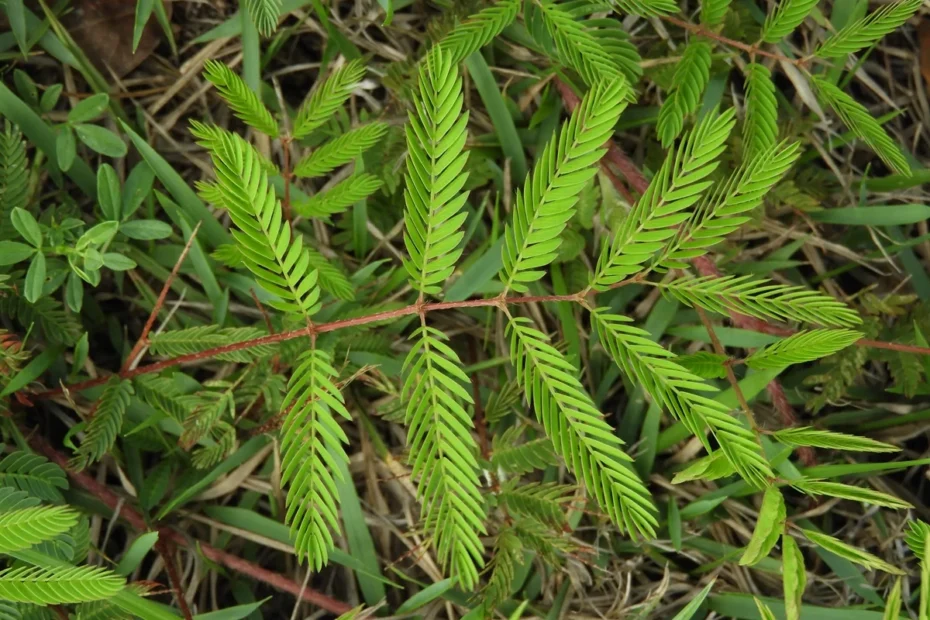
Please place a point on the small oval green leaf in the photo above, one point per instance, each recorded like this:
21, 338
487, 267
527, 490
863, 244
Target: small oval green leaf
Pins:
101, 140
89, 109
27, 226
65, 148
35, 278
108, 192
145, 230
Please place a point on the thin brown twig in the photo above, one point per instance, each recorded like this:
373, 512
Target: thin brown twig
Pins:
166, 550
261, 309
137, 522
731, 376
150, 322
752, 50
309, 331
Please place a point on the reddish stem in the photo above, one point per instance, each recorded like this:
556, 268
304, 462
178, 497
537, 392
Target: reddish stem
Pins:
166, 550
310, 330
143, 337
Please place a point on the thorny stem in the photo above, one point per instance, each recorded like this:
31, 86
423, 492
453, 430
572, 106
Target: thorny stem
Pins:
309, 331
752, 50
389, 315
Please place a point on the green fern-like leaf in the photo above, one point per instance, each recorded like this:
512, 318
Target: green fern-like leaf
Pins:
916, 535
242, 99
787, 16
327, 97
520, 458
224, 442
760, 129
34, 474
264, 14
21, 529
579, 49
101, 431
818, 438
442, 453
109, 609
907, 370
58, 586
545, 540
579, 434
12, 499
848, 491
851, 553
543, 502
210, 193
760, 299
549, 196
478, 30
179, 342
436, 174
611, 42
502, 402
209, 409
722, 212
614, 40
866, 31
508, 554
646, 8
713, 11
269, 250
331, 277
711, 467
691, 76
805, 346
861, 122
58, 326
340, 197
14, 177
311, 442
340, 151
676, 187
704, 364
843, 370
162, 394
670, 385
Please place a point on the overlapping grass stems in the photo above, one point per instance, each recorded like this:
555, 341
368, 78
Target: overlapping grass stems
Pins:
680, 217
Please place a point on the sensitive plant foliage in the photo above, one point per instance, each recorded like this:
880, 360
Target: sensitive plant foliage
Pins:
31, 527
689, 81
264, 14
549, 196
435, 176
477, 510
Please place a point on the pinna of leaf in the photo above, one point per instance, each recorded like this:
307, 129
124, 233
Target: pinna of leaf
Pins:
679, 217
441, 444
